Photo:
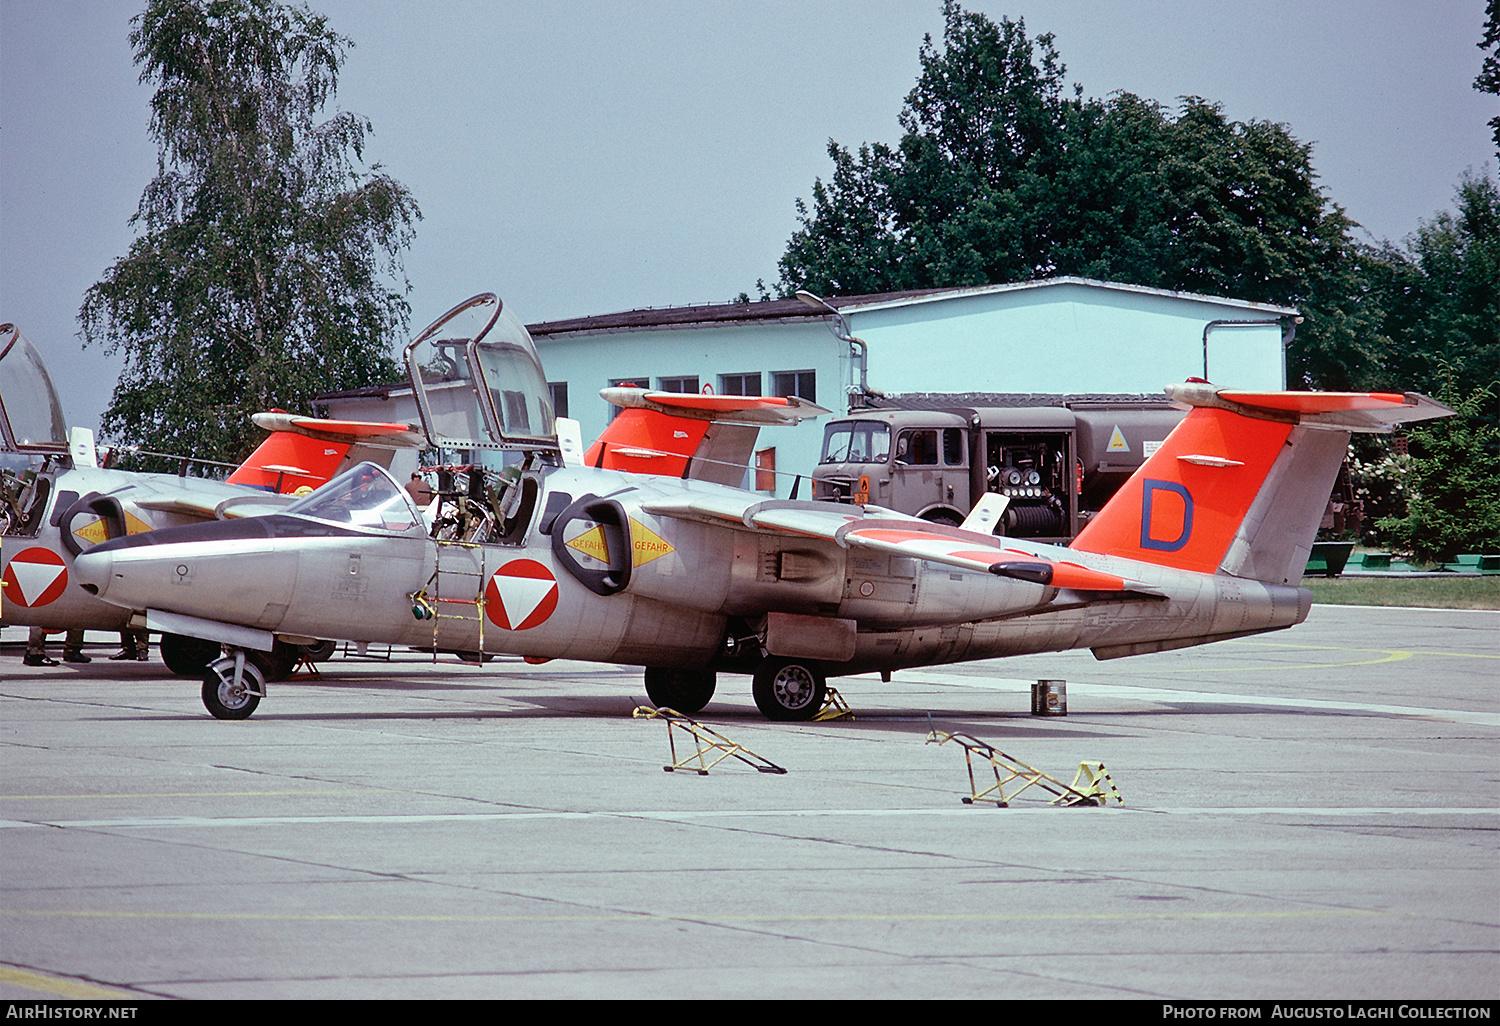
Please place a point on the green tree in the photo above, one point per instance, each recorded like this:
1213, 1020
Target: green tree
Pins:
1439, 298
1452, 489
269, 265
1489, 71
1005, 173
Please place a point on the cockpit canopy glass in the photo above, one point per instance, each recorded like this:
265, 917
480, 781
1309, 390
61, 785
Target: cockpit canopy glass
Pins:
856, 441
363, 496
31, 418
479, 382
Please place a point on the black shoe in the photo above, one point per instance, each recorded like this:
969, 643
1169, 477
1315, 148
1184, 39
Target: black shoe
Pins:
76, 657
124, 653
38, 660
142, 656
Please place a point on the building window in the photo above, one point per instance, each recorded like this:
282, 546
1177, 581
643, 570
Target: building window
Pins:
802, 384
558, 391
688, 384
739, 384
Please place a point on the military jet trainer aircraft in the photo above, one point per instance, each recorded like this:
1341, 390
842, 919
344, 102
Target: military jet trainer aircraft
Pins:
689, 577
52, 513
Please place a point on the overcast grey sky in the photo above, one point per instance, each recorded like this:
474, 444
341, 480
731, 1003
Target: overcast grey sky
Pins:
590, 156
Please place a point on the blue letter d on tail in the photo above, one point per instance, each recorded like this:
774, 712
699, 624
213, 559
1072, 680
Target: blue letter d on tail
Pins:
1148, 495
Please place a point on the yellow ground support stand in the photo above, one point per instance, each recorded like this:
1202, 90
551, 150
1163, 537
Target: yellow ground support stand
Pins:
706, 742
834, 707
1092, 774
1096, 779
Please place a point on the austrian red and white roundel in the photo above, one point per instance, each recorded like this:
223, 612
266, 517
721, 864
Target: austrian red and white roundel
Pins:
521, 595
35, 577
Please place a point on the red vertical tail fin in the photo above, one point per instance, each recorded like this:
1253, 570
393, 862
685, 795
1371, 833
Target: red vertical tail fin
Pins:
305, 452
1239, 487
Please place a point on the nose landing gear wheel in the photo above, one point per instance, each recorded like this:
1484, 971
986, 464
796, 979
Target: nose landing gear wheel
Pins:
227, 700
789, 689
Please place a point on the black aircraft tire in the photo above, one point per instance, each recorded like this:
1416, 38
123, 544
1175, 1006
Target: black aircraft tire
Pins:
684, 691
185, 656
222, 699
789, 690
320, 652
943, 516
276, 664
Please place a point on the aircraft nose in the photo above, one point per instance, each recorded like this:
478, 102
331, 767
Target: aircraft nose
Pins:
92, 570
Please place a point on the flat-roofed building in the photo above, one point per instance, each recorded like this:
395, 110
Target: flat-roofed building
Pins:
1063, 335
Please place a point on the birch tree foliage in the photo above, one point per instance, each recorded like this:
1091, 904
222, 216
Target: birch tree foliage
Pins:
268, 266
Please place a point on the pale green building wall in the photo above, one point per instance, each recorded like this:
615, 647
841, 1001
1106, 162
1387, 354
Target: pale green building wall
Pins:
1062, 336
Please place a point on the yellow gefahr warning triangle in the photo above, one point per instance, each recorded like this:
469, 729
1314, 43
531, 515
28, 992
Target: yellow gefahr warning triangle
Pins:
93, 532
648, 545
645, 543
1117, 441
592, 543
96, 532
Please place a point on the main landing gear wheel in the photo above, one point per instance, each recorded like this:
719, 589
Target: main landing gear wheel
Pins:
685, 691
320, 652
278, 663
185, 656
227, 700
789, 689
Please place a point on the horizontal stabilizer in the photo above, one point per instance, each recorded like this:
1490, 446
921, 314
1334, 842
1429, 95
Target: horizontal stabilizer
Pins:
1367, 412
387, 435
729, 409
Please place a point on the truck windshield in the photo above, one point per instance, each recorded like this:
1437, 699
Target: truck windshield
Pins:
856, 441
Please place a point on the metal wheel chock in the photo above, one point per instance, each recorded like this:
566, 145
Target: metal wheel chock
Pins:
1007, 769
706, 742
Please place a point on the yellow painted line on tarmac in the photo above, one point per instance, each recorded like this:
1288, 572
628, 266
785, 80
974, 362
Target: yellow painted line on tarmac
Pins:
59, 987
1388, 655
626, 917
1363, 648
199, 794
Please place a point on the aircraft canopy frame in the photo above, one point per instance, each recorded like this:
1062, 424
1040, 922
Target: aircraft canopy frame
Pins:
479, 382
31, 415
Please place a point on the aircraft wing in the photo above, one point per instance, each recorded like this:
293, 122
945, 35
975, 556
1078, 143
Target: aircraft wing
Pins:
868, 527
185, 505
216, 507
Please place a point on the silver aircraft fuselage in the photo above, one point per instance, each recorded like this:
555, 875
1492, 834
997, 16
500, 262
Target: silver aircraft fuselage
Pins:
73, 509
693, 588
